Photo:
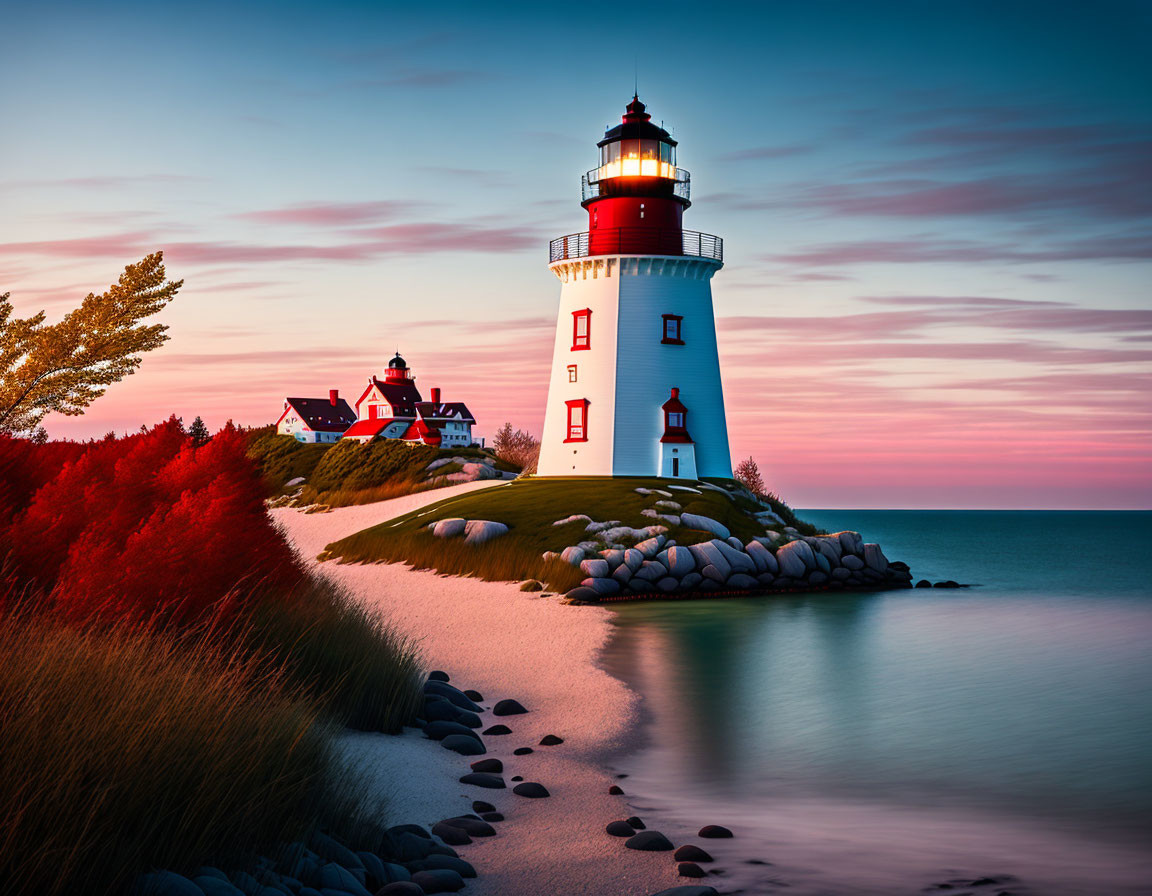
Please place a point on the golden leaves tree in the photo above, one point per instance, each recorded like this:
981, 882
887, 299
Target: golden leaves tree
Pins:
747, 473
63, 367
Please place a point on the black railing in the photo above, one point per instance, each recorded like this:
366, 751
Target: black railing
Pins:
590, 184
636, 241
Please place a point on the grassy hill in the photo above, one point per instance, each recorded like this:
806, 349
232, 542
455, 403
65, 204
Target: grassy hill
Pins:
530, 507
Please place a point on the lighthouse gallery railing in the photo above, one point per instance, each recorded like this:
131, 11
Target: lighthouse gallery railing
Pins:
636, 241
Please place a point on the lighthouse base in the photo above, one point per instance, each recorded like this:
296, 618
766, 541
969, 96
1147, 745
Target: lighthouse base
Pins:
678, 460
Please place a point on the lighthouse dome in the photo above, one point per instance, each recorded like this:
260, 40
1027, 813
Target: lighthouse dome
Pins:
397, 363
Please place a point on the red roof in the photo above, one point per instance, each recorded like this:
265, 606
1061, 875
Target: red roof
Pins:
445, 410
367, 427
320, 415
675, 433
422, 432
402, 395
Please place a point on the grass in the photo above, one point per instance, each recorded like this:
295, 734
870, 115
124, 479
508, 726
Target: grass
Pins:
124, 750
529, 507
283, 458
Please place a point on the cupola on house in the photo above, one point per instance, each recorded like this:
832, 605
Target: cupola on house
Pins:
635, 388
392, 408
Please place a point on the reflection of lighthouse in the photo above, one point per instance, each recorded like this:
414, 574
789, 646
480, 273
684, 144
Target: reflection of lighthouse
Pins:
635, 388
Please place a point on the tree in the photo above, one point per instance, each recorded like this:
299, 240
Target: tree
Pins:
517, 447
64, 367
198, 432
748, 474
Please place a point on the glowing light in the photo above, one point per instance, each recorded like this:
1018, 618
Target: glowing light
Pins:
635, 167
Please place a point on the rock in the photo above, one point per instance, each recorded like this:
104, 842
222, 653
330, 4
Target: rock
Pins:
899, 566
622, 574
850, 542
551, 740
923, 583
508, 707
851, 561
451, 834
487, 767
823, 564
451, 694
714, 832
761, 557
828, 546
213, 886
442, 880
440, 710
616, 790
690, 581
438, 675
464, 744
581, 594
531, 585
522, 751
689, 852
744, 582
711, 573
576, 517
438, 730
817, 578
651, 571
689, 869
766, 578
620, 829
474, 696
948, 584
481, 531
596, 568
649, 841
573, 555
337, 877
840, 573
449, 528
531, 789
491, 816
678, 560
401, 888
479, 805
636, 823
704, 524
707, 554
474, 827
481, 779
633, 558
650, 547
451, 863
335, 851
517, 777
874, 558
613, 557
737, 559
669, 505
602, 587
667, 584
735, 543
497, 730
164, 883
641, 586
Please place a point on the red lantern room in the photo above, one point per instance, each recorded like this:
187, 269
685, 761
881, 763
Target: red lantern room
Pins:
636, 198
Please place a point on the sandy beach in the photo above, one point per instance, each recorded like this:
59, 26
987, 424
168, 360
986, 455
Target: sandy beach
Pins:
506, 643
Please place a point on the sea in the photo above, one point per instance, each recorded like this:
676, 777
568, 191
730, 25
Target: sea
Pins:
986, 740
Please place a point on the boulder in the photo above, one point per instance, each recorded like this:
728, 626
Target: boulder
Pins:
531, 789
491, 767
874, 558
651, 570
923, 583
707, 554
689, 869
451, 834
690, 581
438, 730
482, 779
761, 557
669, 505
715, 832
829, 546
575, 518
401, 888
337, 877
573, 555
678, 560
704, 523
791, 559
850, 542
441, 880
551, 740
690, 852
582, 594
737, 559
508, 708
451, 694
449, 528
823, 564
840, 573
641, 586
472, 826
766, 578
817, 578
620, 829
602, 587
649, 841
743, 581
714, 574
481, 531
650, 547
633, 558
622, 574
451, 863
334, 851
597, 568
497, 730
465, 745
668, 584
851, 561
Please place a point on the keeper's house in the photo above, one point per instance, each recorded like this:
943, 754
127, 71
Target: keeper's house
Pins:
316, 419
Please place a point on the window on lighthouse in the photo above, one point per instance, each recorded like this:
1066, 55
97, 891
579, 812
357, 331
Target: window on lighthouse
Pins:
672, 333
581, 329
577, 420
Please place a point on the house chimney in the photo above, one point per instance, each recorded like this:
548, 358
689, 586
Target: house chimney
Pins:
675, 392
333, 396
436, 395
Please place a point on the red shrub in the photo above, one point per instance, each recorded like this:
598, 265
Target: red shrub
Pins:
148, 526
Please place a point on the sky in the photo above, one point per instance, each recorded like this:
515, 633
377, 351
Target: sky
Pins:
937, 217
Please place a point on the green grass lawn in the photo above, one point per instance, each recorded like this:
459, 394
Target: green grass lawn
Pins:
529, 507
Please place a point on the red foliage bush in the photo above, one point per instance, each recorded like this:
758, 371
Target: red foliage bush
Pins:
147, 526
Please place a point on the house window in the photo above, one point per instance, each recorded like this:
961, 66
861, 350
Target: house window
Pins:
672, 330
581, 329
675, 419
577, 420
571, 373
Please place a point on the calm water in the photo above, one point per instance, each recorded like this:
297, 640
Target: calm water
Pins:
882, 743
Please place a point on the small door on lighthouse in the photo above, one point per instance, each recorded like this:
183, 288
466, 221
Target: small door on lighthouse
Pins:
677, 450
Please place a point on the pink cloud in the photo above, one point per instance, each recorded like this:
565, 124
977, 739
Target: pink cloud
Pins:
329, 214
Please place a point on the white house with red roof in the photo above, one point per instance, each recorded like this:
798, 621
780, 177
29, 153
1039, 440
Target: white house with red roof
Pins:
392, 408
316, 419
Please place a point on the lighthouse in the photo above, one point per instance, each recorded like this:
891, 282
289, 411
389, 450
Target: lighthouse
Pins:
635, 387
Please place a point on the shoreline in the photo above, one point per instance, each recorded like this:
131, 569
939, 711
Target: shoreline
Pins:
505, 643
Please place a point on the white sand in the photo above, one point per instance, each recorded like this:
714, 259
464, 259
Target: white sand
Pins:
504, 643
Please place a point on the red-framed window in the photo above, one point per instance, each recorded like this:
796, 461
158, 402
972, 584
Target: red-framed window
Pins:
672, 329
582, 330
577, 420
571, 373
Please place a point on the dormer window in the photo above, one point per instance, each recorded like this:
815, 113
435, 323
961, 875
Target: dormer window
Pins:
672, 329
582, 330
675, 419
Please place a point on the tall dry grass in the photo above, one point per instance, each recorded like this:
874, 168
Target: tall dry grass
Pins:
123, 750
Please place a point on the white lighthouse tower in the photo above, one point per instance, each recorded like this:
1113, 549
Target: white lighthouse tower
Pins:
635, 387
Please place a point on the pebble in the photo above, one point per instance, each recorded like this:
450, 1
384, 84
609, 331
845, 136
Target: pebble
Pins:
440, 729
636, 823
498, 730
649, 841
714, 832
489, 767
531, 789
690, 869
437, 675
438, 881
401, 888
616, 790
464, 744
451, 863
474, 696
474, 827
522, 751
517, 777
508, 708
620, 829
551, 740
479, 805
478, 779
492, 816
451, 834
690, 852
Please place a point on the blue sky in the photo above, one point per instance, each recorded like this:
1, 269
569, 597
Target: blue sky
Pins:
937, 217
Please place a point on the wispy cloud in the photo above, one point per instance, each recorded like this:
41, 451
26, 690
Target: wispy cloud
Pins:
330, 214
